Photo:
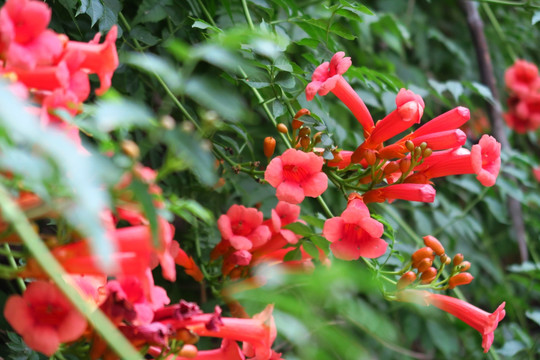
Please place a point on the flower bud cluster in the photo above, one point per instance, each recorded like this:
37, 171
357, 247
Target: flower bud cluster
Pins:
422, 261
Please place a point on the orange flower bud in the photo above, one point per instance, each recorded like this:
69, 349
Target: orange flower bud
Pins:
391, 168
404, 165
305, 131
269, 146
423, 145
428, 275
187, 336
302, 112
435, 244
409, 145
305, 141
406, 279
417, 152
464, 266
189, 351
420, 254
282, 128
317, 138
427, 152
370, 157
445, 259
460, 279
424, 264
458, 259
130, 149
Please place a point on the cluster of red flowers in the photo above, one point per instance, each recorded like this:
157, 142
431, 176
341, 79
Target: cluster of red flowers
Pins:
523, 83
402, 170
47, 68
50, 70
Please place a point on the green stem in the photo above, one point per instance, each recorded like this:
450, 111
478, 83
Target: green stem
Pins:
325, 207
13, 214
206, 13
247, 15
13, 264
499, 30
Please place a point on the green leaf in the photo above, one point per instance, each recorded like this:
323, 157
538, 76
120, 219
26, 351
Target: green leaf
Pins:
144, 35
209, 94
121, 113
152, 11
299, 228
92, 8
182, 207
535, 17
534, 315
293, 255
110, 15
321, 243
311, 249
153, 64
313, 221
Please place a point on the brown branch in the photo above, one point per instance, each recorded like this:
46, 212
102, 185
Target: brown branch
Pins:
476, 27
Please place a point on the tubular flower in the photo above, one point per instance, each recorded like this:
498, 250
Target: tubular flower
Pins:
482, 321
242, 227
440, 133
100, 59
295, 175
229, 350
410, 108
484, 160
25, 41
257, 333
355, 233
328, 77
44, 317
409, 192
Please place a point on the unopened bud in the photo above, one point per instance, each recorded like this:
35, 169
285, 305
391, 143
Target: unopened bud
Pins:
168, 122
464, 266
458, 259
460, 279
188, 351
423, 145
406, 279
130, 149
422, 253
417, 152
424, 264
427, 152
445, 259
370, 157
317, 138
435, 244
305, 141
409, 145
429, 275
404, 165
187, 336
269, 146
305, 131
391, 168
282, 128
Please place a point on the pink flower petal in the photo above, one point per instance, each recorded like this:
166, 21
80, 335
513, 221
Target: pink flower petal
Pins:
274, 172
290, 192
333, 229
316, 185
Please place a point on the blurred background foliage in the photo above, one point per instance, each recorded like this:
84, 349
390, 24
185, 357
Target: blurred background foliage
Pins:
202, 83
